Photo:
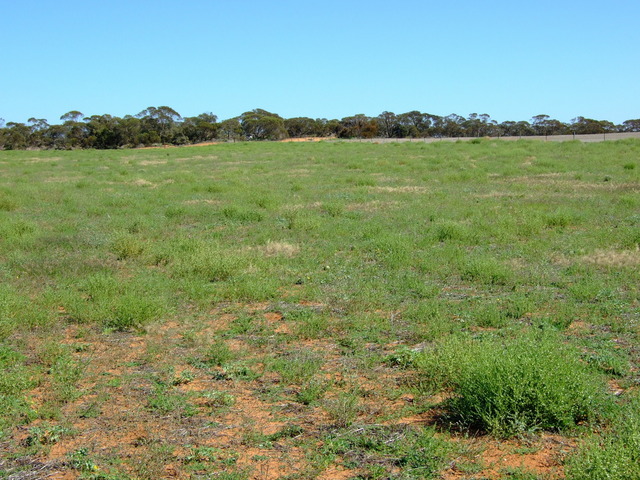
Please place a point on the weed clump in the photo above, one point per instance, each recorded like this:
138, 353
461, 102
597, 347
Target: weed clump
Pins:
615, 455
450, 231
486, 270
377, 450
510, 386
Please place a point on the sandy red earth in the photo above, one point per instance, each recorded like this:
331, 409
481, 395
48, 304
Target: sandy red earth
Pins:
111, 416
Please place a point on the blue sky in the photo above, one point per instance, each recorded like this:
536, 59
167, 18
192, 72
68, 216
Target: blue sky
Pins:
327, 59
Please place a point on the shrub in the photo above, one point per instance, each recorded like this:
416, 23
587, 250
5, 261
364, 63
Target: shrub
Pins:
449, 230
485, 270
615, 455
131, 311
296, 367
242, 215
127, 246
343, 409
510, 386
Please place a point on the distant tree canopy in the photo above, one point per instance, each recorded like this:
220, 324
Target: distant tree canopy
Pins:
163, 125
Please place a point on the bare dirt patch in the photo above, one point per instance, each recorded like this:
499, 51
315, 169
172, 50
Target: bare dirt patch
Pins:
490, 458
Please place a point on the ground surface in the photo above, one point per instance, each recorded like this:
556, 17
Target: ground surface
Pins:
255, 311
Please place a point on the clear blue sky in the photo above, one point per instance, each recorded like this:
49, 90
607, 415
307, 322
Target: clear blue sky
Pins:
328, 59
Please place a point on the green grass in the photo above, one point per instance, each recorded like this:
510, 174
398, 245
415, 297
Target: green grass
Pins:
613, 455
324, 279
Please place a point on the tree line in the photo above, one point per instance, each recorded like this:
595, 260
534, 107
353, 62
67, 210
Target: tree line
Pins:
163, 125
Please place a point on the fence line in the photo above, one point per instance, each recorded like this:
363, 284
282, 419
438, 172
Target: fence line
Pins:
596, 137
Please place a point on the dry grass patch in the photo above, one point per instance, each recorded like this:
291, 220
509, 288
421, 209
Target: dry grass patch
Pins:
403, 189
141, 182
206, 201
280, 249
43, 159
613, 258
371, 206
152, 162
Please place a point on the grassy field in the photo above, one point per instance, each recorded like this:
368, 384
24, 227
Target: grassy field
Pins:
331, 310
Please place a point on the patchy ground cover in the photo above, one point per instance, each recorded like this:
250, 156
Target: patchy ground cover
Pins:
321, 310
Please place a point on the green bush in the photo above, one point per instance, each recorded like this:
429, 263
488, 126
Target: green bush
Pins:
131, 311
485, 270
510, 386
15, 379
449, 230
127, 246
616, 454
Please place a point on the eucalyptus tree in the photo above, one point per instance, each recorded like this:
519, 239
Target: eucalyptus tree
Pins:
202, 128
358, 126
161, 120
38, 128
259, 124
510, 128
632, 125
453, 126
16, 136
301, 127
230, 129
104, 132
388, 124
75, 130
582, 125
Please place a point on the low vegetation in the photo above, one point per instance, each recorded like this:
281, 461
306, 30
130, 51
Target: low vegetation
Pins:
321, 310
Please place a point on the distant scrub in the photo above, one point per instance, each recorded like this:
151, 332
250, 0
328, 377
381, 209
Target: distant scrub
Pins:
163, 125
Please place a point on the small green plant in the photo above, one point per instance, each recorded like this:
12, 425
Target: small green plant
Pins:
131, 312
485, 270
7, 204
167, 401
218, 354
80, 460
379, 450
203, 454
242, 215
312, 391
449, 230
288, 431
127, 246
558, 219
183, 378
296, 367
343, 409
46, 434
215, 399
308, 324
615, 454
333, 209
